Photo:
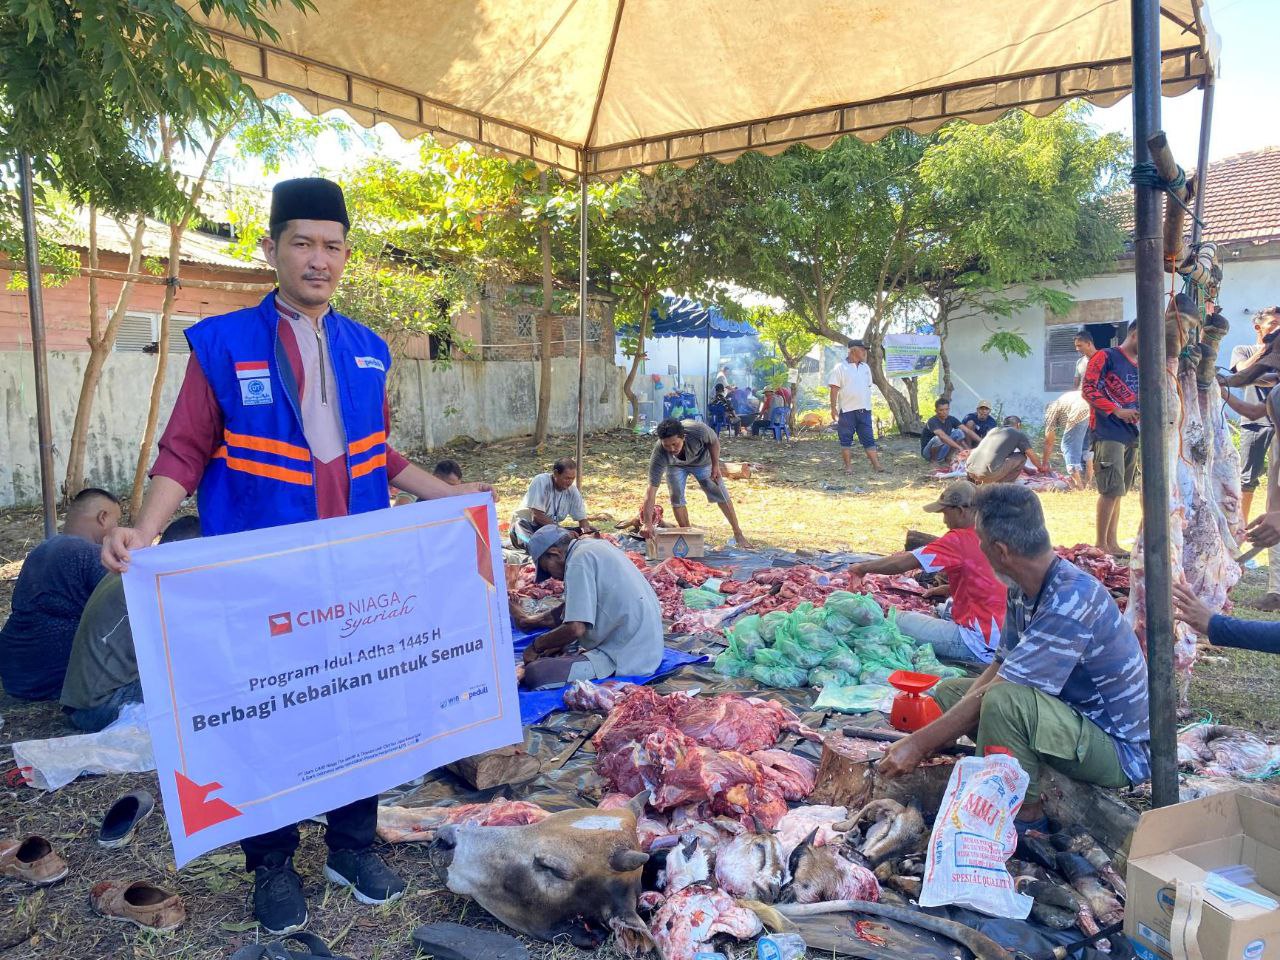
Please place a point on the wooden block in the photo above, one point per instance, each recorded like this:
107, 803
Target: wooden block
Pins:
506, 765
846, 777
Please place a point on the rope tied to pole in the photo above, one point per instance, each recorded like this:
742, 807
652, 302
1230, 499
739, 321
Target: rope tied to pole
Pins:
1146, 175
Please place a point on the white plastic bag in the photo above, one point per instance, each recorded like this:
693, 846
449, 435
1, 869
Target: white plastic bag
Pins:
973, 838
122, 747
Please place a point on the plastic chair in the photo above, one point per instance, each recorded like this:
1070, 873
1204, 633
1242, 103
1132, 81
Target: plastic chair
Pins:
778, 422
718, 416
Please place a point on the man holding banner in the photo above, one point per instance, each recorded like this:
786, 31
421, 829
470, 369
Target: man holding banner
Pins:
283, 418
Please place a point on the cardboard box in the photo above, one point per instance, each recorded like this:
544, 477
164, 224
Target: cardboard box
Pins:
683, 542
1185, 843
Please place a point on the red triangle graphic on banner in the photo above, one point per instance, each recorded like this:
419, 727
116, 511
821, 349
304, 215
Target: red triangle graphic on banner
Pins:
199, 812
479, 517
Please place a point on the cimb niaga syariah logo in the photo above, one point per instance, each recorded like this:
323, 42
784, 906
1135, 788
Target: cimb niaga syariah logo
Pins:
349, 615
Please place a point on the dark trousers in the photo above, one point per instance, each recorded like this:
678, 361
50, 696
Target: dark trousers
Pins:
350, 828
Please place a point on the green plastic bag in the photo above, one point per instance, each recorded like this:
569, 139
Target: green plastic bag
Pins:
855, 698
877, 674
698, 598
745, 638
842, 658
926, 661
773, 623
826, 676
839, 624
812, 635
798, 652
859, 608
773, 670
731, 665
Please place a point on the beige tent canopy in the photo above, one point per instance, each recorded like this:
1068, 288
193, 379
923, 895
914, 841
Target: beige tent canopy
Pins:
602, 86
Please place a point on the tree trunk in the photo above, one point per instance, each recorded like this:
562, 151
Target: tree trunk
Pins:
544, 340
176, 231
942, 327
913, 393
628, 385
101, 342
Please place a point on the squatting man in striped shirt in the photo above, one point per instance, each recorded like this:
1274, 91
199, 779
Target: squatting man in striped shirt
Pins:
1068, 685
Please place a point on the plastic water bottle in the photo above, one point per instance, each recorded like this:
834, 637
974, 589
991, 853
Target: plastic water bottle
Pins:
781, 946
705, 955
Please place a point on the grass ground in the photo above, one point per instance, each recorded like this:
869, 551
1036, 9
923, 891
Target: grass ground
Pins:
800, 498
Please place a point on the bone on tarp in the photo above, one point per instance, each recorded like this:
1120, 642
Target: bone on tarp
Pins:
577, 873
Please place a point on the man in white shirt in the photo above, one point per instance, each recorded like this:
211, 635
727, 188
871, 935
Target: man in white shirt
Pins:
551, 497
850, 384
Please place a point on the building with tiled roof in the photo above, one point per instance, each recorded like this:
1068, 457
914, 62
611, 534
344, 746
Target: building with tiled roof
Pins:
1241, 215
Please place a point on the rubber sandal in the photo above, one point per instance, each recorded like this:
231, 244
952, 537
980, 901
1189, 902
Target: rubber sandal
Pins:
122, 818
276, 949
452, 941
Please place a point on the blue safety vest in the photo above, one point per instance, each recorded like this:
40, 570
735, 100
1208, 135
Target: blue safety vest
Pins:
263, 475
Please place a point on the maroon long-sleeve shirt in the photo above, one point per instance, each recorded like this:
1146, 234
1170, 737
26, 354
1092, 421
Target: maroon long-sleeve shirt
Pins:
194, 434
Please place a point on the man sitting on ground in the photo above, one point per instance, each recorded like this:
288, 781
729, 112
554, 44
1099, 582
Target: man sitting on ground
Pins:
1068, 415
55, 583
610, 616
102, 675
978, 598
979, 423
1068, 686
551, 497
685, 448
943, 437
1000, 457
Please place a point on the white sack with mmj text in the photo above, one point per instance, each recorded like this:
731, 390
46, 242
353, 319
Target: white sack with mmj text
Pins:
974, 837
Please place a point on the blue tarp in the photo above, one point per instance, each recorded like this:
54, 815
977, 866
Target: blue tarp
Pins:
682, 317
537, 705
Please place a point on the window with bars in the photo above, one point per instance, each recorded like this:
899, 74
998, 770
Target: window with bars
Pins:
1060, 357
524, 325
593, 330
140, 333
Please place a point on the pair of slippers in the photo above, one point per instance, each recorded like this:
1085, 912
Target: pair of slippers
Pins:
312, 946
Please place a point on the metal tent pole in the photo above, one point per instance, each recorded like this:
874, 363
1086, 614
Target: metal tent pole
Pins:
706, 387
1149, 276
1202, 158
35, 300
582, 311
679, 371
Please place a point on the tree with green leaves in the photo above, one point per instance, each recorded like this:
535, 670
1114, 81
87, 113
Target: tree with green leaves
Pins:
791, 338
1018, 203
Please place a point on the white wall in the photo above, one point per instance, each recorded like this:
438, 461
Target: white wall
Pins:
488, 401
1016, 386
661, 355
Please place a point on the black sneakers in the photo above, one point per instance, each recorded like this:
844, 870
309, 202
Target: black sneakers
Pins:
363, 871
278, 903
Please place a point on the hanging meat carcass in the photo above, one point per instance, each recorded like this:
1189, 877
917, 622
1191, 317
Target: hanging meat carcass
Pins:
1205, 523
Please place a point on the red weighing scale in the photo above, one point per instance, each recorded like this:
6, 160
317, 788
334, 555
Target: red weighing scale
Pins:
911, 708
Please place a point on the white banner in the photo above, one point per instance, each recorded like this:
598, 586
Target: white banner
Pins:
910, 354
292, 670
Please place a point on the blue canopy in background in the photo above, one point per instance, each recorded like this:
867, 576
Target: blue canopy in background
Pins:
688, 318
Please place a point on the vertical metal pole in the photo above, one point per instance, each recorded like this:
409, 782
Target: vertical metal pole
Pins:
1202, 158
1152, 373
706, 403
582, 311
679, 372
35, 300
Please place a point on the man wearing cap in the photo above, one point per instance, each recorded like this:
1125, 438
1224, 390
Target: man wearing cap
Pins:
850, 385
979, 423
1002, 454
610, 624
977, 597
282, 418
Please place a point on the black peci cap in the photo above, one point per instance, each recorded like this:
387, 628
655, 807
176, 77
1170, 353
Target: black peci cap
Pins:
308, 198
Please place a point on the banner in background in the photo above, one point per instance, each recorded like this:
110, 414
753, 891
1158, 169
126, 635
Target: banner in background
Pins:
910, 354
292, 670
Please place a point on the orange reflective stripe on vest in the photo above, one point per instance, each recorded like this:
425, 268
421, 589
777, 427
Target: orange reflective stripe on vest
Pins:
270, 471
264, 445
368, 466
367, 443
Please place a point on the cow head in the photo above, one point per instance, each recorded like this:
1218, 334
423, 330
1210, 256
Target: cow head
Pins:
575, 874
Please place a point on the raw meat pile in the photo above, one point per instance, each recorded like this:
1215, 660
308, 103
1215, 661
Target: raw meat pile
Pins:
1102, 566
526, 589
707, 752
895, 590
1217, 750
406, 824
